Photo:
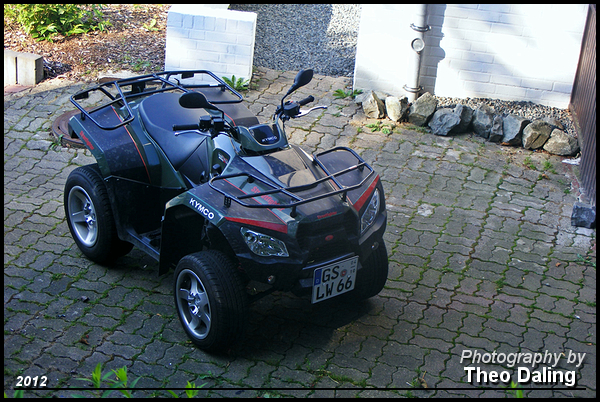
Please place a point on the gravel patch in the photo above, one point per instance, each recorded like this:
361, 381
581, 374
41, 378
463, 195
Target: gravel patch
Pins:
296, 36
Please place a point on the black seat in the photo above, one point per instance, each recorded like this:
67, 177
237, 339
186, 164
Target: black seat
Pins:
159, 112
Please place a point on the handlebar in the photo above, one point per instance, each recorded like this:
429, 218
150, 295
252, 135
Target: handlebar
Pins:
180, 127
306, 100
215, 125
212, 124
291, 109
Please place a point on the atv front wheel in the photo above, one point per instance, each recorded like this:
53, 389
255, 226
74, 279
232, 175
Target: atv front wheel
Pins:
373, 275
211, 300
90, 218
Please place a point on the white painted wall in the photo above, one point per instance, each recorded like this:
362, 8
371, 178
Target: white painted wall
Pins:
502, 51
383, 48
205, 37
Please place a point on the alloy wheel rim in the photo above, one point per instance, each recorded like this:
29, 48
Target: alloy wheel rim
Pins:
193, 304
82, 213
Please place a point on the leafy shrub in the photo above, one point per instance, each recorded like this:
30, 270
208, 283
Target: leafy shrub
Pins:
239, 85
45, 21
341, 94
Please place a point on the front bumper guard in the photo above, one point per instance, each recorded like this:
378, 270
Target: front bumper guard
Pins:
292, 191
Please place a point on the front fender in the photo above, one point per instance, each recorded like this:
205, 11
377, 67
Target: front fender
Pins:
199, 218
184, 228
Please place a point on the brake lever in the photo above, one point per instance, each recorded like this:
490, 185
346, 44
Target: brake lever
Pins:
305, 112
178, 133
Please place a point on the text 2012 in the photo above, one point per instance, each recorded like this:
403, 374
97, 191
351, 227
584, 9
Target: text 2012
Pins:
31, 382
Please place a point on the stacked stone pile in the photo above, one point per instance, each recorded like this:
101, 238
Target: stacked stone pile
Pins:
525, 124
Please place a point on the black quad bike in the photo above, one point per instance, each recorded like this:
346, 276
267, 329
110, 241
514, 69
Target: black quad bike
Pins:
188, 175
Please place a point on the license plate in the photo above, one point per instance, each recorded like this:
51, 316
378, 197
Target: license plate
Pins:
333, 280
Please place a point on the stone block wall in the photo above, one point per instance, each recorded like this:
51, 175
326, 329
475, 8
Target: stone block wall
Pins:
505, 51
207, 38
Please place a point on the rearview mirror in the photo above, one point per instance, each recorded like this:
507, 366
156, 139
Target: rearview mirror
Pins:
302, 78
195, 100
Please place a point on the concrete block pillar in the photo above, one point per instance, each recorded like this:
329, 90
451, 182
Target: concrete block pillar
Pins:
206, 38
30, 68
10, 67
22, 68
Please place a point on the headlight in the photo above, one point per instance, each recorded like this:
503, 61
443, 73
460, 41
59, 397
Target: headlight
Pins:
264, 245
368, 217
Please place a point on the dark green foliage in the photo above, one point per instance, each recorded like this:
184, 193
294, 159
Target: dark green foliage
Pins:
46, 21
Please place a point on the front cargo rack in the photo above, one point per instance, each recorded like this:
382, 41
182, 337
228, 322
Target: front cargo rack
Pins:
292, 190
138, 89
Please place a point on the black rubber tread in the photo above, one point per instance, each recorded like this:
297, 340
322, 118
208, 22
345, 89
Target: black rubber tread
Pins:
372, 277
227, 295
108, 247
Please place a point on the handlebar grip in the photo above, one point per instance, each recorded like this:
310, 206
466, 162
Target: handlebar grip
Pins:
178, 127
304, 101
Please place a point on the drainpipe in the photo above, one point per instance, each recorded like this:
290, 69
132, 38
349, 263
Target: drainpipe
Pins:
417, 44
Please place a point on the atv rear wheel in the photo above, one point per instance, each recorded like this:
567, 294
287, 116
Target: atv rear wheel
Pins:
90, 218
373, 275
211, 300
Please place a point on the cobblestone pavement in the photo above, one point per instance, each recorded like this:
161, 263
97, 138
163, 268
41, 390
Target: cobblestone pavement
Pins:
482, 258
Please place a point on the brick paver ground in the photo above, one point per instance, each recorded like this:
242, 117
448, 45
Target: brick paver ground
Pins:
482, 258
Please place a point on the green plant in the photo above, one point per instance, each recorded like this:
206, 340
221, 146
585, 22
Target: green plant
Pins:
384, 128
374, 126
549, 167
118, 384
585, 260
418, 129
500, 283
414, 383
341, 94
141, 65
122, 378
121, 381
18, 394
191, 390
56, 142
151, 26
239, 85
528, 163
46, 21
515, 390
57, 276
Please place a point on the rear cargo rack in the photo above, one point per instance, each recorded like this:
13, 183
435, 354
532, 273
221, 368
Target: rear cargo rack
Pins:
138, 89
291, 191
